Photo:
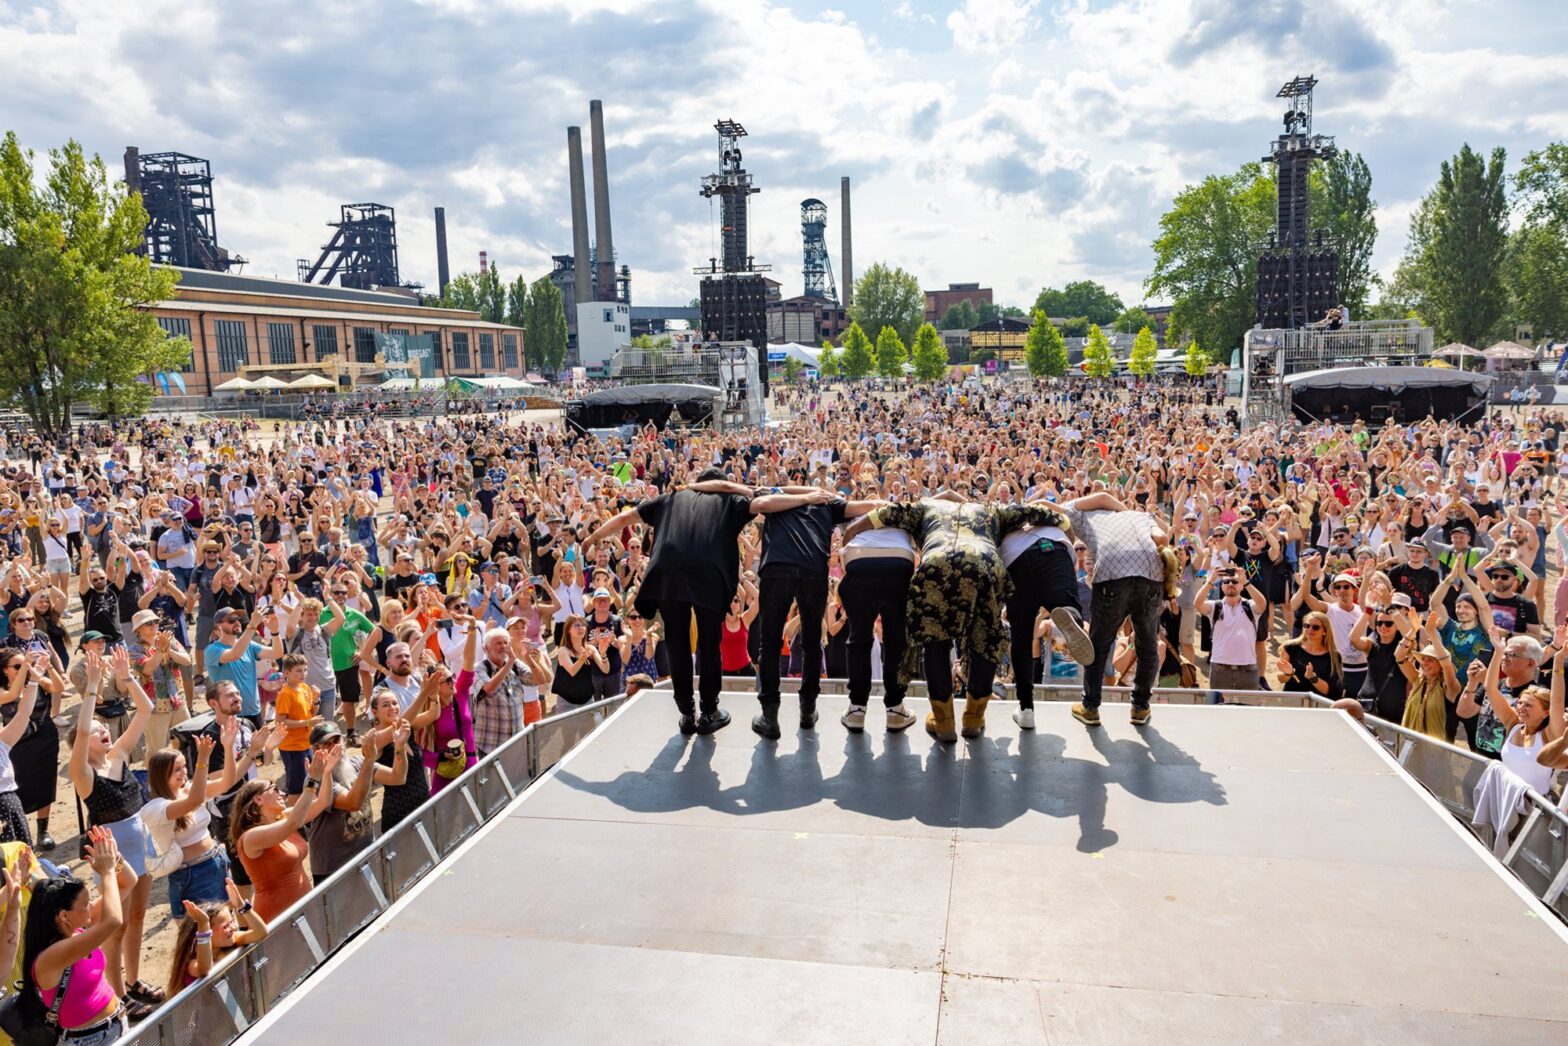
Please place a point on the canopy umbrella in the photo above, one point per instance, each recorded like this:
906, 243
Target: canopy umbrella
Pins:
267, 382
313, 381
1455, 350
234, 385
1509, 350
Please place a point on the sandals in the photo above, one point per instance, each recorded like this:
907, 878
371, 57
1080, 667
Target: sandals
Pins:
144, 992
135, 1010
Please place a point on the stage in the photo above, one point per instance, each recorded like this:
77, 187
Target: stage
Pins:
1223, 875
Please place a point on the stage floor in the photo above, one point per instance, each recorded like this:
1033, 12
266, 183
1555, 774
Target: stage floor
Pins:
1224, 875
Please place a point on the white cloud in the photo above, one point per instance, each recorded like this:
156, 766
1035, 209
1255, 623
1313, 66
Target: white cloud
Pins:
991, 25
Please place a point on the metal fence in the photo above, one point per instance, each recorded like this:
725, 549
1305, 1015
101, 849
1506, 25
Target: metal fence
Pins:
219, 1008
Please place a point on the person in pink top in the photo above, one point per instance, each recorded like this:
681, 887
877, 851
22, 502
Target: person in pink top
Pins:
64, 938
442, 713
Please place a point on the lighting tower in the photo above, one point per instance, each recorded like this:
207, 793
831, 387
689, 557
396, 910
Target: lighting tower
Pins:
733, 294
1298, 274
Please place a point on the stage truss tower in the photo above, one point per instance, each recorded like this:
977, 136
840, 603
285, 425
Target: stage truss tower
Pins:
1298, 272
733, 294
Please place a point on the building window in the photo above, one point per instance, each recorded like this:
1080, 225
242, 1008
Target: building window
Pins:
180, 328
459, 350
365, 344
280, 342
509, 351
436, 360
487, 352
232, 353
326, 339
609, 315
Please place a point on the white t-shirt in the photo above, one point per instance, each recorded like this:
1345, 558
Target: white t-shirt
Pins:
1020, 541
1344, 622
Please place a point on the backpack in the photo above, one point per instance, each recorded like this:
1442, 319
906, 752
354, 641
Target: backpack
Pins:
1214, 618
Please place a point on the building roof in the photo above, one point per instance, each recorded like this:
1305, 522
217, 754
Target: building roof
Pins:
1002, 324
205, 279
453, 317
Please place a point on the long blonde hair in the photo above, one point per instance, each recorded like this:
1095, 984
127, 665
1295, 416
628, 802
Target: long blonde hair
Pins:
1318, 617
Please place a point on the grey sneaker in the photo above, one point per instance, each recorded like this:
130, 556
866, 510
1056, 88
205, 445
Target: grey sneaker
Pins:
854, 720
1072, 630
899, 719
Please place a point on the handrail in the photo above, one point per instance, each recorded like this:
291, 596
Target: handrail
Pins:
241, 989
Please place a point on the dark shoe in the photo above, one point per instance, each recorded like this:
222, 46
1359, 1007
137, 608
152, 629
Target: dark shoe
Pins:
1140, 715
712, 722
351, 740
808, 718
688, 725
45, 843
764, 725
135, 1011
144, 992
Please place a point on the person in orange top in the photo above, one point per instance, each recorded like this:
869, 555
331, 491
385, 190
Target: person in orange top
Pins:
297, 708
266, 834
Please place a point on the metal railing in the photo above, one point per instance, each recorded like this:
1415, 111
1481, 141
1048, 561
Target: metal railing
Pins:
245, 986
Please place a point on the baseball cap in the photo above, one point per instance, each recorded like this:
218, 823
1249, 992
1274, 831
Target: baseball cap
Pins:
224, 613
601, 593
92, 633
1346, 578
323, 731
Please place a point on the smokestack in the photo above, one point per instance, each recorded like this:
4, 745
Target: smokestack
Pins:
601, 204
484, 261
847, 259
133, 168
443, 271
583, 282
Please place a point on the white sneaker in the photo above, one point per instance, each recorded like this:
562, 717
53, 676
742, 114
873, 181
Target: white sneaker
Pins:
854, 720
1024, 717
898, 718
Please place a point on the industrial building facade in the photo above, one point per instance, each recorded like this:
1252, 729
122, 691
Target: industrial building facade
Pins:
248, 326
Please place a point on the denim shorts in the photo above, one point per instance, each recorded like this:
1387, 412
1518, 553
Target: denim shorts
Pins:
200, 882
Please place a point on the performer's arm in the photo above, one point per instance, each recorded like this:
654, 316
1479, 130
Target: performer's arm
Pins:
620, 521
1097, 502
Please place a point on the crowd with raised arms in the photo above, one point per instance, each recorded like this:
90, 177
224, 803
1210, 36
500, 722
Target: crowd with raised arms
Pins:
244, 649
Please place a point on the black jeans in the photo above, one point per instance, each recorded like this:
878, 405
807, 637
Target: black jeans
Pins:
677, 636
875, 587
779, 586
1041, 581
1115, 601
939, 673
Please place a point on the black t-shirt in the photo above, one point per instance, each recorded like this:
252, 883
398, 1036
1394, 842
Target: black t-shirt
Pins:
695, 552
309, 584
130, 595
1513, 614
544, 561
612, 653
397, 585
1263, 572
1418, 584
101, 611
801, 537
1487, 508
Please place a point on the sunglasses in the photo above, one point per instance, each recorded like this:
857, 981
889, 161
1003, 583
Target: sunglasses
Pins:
1337, 587
1385, 624
1312, 628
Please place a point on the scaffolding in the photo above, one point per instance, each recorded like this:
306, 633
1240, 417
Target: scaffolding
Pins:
816, 268
729, 366
1269, 356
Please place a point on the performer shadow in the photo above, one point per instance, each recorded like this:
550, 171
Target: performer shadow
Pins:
668, 785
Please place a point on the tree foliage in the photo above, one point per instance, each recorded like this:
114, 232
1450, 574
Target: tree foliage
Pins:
1538, 254
1098, 360
1081, 298
1045, 353
545, 321
462, 292
929, 355
888, 297
517, 302
1075, 327
1197, 361
1342, 206
891, 354
792, 369
492, 295
857, 360
960, 317
829, 361
1145, 351
74, 322
1132, 320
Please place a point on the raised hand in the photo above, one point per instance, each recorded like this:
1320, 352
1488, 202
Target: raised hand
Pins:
204, 746
199, 917
102, 852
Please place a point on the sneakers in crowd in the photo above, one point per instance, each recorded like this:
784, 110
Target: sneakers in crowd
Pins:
1141, 714
1085, 715
854, 720
1024, 717
899, 719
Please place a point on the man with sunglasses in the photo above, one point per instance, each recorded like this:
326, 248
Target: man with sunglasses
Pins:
1510, 610
233, 655
1233, 663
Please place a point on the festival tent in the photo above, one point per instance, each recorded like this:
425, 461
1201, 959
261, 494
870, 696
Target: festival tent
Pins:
1509, 350
1456, 350
1372, 393
268, 383
312, 381
640, 404
792, 350
234, 385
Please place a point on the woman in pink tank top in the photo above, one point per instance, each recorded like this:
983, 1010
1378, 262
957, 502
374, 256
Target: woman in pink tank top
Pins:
65, 931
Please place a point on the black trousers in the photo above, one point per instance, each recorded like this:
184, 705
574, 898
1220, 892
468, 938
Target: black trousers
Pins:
1042, 580
939, 673
677, 636
1115, 601
778, 587
874, 587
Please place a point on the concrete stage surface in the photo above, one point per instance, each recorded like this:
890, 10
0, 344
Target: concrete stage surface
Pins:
1224, 875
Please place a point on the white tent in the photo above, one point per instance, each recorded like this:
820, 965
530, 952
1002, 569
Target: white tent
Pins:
234, 385
268, 382
792, 350
312, 381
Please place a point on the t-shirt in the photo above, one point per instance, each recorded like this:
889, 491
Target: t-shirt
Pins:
801, 537
297, 702
101, 611
696, 555
309, 583
1513, 614
334, 835
1418, 584
348, 637
177, 550
241, 672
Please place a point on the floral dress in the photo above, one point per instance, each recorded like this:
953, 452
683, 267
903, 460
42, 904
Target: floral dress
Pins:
960, 585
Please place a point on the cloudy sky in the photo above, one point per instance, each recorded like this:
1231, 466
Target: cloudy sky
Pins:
1014, 142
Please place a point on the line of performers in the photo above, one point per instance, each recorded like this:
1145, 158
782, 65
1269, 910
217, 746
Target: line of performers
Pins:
938, 572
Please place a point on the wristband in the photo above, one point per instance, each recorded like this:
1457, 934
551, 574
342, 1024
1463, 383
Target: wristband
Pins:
245, 908
311, 782
203, 936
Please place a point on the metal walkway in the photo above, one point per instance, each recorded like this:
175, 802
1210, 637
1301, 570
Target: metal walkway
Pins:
1223, 875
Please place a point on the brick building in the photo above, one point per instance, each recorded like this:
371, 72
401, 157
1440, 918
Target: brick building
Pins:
250, 326
938, 302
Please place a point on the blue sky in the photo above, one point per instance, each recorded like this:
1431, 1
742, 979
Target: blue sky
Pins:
1015, 142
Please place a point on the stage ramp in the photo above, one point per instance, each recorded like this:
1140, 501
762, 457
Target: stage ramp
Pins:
1223, 875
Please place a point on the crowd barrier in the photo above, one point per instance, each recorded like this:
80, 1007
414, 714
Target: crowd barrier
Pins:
219, 1008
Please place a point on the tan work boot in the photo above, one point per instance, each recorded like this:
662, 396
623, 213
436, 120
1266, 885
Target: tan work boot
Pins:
974, 715
939, 724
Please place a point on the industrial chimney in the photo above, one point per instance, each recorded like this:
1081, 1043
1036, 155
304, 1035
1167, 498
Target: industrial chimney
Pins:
443, 270
484, 262
605, 269
133, 169
847, 260
582, 282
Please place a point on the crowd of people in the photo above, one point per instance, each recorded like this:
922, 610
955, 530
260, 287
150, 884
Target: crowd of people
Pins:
241, 651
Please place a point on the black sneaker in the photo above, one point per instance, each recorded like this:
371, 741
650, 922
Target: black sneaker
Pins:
712, 722
764, 725
45, 843
808, 718
688, 725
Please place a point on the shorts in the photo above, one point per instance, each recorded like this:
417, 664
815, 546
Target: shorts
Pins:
1187, 633
200, 882
348, 684
294, 766
130, 835
57, 566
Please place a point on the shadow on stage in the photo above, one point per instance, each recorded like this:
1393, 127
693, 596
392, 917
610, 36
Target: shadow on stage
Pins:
984, 783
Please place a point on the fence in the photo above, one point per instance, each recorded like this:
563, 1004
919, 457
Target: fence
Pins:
245, 986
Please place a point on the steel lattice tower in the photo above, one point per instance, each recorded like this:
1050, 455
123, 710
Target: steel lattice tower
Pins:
815, 268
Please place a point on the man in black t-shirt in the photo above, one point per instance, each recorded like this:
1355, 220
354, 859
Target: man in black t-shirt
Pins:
1414, 577
100, 598
693, 573
604, 631
403, 577
1510, 610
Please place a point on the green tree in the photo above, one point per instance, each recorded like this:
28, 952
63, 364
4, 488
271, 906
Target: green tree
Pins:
1538, 255
828, 361
517, 302
1145, 350
929, 355
1081, 298
1013, 312
492, 295
857, 360
1075, 326
462, 292
1045, 353
1457, 252
960, 317
1205, 258
891, 354
1098, 362
74, 319
887, 297
987, 311
1132, 320
1197, 362
792, 369
1342, 206
546, 323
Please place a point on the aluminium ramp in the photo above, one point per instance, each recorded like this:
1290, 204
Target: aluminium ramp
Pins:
1224, 875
